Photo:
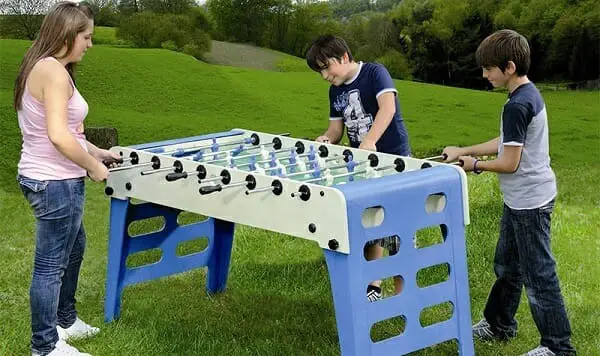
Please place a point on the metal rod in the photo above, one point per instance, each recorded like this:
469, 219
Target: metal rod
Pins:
166, 169
359, 163
349, 174
123, 168
233, 185
301, 173
201, 147
281, 150
222, 152
253, 154
265, 189
435, 158
213, 179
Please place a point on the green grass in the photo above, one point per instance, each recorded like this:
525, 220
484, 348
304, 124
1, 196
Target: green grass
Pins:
288, 63
278, 299
226, 53
107, 36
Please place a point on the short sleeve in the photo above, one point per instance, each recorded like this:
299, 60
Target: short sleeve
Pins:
383, 81
515, 119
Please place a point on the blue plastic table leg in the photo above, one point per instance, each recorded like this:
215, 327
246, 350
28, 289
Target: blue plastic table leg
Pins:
218, 265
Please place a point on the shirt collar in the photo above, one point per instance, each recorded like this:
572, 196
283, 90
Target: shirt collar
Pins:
349, 81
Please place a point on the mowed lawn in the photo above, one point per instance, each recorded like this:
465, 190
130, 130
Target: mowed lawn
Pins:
278, 299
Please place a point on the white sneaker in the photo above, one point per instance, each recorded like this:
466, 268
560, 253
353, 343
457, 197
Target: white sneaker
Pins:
78, 330
540, 351
63, 349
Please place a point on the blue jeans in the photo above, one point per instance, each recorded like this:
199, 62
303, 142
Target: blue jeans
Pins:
524, 257
60, 242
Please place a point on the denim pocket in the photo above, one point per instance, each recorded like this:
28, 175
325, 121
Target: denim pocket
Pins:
33, 184
36, 194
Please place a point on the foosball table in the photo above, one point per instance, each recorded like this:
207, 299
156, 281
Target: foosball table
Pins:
340, 197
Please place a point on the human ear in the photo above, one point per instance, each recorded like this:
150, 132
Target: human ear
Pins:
511, 67
345, 58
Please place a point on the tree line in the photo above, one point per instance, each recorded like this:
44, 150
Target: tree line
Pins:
427, 40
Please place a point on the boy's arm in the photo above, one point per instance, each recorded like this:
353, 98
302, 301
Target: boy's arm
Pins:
385, 114
334, 132
487, 148
508, 162
383, 84
515, 120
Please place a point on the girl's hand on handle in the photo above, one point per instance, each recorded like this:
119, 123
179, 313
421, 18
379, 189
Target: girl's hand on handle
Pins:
98, 173
108, 158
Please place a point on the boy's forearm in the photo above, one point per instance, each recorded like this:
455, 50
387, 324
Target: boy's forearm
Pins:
487, 148
334, 134
496, 165
381, 123
508, 162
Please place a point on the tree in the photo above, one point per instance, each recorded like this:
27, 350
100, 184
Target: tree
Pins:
241, 20
278, 26
308, 21
346, 8
26, 15
167, 6
105, 12
129, 7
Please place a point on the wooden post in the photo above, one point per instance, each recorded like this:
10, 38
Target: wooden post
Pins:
102, 137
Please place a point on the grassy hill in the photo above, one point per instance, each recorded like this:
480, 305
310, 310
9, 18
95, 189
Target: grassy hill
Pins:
226, 53
278, 299
248, 56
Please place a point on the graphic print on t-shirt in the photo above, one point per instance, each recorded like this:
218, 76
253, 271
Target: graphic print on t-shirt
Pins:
357, 121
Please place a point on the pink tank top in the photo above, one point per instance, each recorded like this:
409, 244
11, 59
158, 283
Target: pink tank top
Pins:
39, 158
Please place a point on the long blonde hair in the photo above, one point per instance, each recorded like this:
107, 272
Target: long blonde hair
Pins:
61, 25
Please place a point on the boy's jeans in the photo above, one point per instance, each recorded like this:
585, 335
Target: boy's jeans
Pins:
523, 256
60, 242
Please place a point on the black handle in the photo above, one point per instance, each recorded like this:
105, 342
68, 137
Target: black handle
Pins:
171, 177
110, 161
207, 189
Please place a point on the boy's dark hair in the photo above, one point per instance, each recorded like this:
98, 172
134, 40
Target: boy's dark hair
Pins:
501, 47
324, 48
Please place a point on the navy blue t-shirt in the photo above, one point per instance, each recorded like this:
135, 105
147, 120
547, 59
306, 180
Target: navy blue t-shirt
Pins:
355, 102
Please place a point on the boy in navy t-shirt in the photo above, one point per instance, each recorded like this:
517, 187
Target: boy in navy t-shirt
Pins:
363, 100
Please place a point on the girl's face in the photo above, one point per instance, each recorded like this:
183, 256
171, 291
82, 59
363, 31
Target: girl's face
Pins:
83, 41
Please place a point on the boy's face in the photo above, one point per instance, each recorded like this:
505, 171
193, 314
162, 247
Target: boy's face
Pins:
498, 78
495, 76
336, 71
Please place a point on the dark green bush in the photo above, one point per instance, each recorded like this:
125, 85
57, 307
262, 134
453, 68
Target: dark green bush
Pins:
173, 32
396, 64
